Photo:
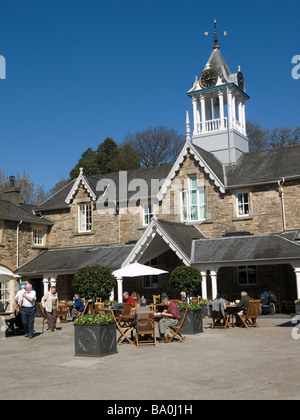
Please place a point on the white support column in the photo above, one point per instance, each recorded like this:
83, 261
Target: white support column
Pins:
214, 283
194, 102
203, 113
120, 289
244, 118
53, 281
46, 284
229, 106
204, 284
233, 112
221, 107
297, 272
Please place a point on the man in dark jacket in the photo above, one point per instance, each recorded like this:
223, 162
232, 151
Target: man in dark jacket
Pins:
244, 303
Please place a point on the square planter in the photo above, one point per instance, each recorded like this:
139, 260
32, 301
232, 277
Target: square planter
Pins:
297, 308
95, 340
193, 322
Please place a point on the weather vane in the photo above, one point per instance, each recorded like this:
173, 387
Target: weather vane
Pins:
225, 33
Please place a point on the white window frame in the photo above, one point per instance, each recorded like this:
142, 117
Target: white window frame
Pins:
39, 237
6, 292
188, 207
148, 213
242, 204
85, 221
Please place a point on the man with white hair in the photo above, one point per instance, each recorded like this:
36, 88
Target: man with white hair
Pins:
244, 303
28, 310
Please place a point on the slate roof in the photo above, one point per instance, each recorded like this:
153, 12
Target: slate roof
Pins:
57, 201
69, 260
17, 212
182, 235
245, 250
265, 166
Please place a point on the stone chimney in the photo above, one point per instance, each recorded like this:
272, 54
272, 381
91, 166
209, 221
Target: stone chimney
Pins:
13, 193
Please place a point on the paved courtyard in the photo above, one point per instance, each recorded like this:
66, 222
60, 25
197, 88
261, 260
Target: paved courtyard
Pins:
217, 364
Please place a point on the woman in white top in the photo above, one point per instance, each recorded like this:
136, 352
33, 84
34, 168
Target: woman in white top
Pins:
50, 304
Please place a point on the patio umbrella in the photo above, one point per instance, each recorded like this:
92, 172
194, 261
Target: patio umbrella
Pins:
136, 270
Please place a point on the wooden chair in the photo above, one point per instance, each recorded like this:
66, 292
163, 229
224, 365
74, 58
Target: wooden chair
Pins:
175, 331
156, 299
175, 301
145, 325
78, 313
62, 312
98, 306
194, 299
217, 316
199, 298
125, 323
252, 314
43, 313
98, 300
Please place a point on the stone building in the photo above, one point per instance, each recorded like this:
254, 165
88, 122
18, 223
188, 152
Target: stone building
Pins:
232, 214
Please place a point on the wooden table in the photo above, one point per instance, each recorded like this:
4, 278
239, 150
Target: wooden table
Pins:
7, 321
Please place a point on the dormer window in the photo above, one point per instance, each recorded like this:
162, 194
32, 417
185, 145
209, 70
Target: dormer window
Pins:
148, 214
38, 237
84, 218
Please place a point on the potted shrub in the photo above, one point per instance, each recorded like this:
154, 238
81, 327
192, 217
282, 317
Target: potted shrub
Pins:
95, 335
186, 279
297, 306
194, 320
93, 282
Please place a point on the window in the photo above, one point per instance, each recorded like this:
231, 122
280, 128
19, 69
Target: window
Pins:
147, 214
84, 218
5, 292
247, 275
151, 282
243, 204
193, 202
38, 237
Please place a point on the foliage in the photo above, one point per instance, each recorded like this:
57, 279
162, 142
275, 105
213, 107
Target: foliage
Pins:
185, 279
109, 157
93, 281
297, 302
108, 302
95, 319
193, 306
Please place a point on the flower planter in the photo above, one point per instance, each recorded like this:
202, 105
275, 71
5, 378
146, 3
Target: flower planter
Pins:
95, 340
193, 322
297, 308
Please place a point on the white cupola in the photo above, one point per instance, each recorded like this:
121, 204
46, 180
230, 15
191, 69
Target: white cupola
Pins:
219, 97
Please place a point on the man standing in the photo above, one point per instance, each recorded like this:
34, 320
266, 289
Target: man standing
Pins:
171, 316
28, 310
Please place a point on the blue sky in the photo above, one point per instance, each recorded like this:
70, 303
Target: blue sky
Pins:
79, 71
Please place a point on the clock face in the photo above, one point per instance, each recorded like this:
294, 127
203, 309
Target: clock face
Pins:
208, 78
241, 80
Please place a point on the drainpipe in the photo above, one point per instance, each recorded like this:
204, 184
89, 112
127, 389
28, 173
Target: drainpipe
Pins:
18, 234
281, 193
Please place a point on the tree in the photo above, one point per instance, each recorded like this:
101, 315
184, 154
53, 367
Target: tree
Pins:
264, 139
93, 281
185, 279
30, 193
156, 145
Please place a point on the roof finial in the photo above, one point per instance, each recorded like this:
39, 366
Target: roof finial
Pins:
216, 46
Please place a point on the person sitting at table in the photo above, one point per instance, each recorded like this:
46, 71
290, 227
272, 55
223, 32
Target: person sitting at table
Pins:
171, 316
143, 307
78, 306
216, 306
242, 306
128, 299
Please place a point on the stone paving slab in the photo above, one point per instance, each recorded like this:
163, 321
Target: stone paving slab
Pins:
238, 363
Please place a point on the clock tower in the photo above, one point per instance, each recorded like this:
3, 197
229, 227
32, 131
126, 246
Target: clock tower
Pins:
219, 97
